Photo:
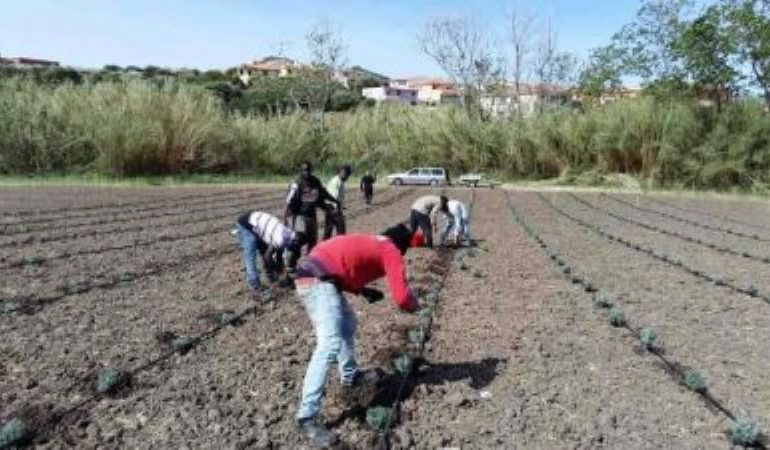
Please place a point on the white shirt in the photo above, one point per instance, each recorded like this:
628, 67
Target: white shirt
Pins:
427, 204
336, 188
458, 210
271, 230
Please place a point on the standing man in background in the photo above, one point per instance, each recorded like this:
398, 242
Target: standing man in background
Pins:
335, 217
367, 187
306, 194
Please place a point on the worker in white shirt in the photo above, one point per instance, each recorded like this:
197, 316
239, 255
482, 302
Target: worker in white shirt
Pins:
263, 233
335, 217
458, 222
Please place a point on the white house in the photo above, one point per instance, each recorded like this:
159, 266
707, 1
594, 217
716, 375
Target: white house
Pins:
399, 94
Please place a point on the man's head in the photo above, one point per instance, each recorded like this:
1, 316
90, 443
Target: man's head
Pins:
344, 172
305, 170
400, 235
444, 203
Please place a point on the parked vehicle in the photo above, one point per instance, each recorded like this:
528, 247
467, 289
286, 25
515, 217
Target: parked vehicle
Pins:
433, 176
477, 179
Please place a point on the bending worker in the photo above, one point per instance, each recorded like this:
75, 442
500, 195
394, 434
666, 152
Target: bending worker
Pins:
263, 233
344, 263
458, 222
425, 213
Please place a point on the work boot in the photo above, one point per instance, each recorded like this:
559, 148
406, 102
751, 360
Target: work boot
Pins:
317, 434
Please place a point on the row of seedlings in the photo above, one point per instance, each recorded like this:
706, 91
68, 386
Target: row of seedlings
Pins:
691, 222
60, 237
202, 203
707, 214
743, 431
22, 429
382, 418
751, 291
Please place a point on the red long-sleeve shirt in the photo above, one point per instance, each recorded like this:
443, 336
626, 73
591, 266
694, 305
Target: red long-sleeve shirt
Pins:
355, 260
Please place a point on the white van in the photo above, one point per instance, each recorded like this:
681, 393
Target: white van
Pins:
432, 176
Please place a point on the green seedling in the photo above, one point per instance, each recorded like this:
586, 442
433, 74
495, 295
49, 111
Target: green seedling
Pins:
110, 381
378, 417
184, 344
403, 364
417, 336
648, 337
753, 291
695, 381
9, 307
602, 299
745, 432
576, 279
229, 318
567, 270
464, 266
617, 318
478, 274
15, 433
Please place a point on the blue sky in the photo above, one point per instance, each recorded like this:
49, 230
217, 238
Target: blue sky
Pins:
223, 33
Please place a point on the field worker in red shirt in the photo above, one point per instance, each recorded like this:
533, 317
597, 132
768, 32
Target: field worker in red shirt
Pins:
344, 263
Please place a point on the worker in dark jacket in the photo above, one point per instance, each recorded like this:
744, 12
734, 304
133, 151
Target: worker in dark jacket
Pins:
306, 195
344, 264
367, 187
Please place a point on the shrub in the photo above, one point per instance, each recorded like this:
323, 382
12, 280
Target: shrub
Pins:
617, 318
648, 336
745, 432
695, 381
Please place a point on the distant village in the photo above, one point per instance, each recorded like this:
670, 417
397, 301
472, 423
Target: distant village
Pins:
506, 99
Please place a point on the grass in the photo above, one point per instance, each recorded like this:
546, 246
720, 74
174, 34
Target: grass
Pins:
146, 131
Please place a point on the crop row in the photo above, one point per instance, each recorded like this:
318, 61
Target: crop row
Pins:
58, 237
707, 214
744, 431
694, 223
127, 216
34, 304
675, 234
751, 291
112, 381
111, 205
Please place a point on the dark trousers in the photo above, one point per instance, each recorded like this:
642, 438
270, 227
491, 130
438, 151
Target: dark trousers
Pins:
418, 219
368, 194
334, 220
306, 227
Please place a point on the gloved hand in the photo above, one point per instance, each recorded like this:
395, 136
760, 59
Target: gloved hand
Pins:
372, 295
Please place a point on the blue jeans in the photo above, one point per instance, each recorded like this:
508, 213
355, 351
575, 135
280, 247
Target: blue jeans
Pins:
250, 246
335, 332
464, 232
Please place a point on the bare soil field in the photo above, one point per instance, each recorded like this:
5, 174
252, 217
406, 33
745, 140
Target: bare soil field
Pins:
531, 339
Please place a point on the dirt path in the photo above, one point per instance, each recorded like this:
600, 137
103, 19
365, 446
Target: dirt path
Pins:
536, 367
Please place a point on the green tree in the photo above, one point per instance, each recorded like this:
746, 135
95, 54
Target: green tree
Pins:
750, 22
706, 48
602, 72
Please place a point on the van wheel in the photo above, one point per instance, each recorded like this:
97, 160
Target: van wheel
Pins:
434, 182
398, 182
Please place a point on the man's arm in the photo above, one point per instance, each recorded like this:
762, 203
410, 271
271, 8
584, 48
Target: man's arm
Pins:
293, 190
395, 274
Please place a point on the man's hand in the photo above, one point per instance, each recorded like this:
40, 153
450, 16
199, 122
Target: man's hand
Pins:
372, 295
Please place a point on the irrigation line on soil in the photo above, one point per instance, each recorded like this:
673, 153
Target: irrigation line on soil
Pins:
32, 305
113, 205
711, 215
560, 263
383, 443
751, 291
682, 236
103, 219
268, 297
34, 238
694, 223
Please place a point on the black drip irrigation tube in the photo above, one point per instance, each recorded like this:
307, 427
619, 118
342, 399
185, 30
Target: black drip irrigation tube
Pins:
685, 237
710, 215
432, 300
751, 291
694, 223
15, 432
690, 379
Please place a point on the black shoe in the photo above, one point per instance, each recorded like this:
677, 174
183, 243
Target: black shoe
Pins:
369, 377
318, 435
